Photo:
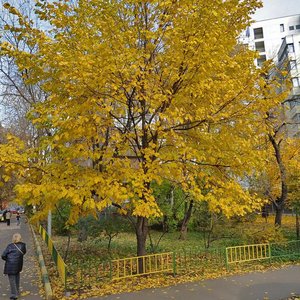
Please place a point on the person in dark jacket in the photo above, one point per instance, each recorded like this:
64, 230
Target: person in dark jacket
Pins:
18, 218
13, 256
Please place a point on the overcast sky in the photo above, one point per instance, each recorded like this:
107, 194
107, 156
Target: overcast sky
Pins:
277, 8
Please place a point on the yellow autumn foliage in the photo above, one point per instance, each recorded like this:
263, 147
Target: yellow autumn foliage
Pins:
142, 91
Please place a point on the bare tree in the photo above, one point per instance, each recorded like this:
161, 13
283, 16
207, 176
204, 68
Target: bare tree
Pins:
17, 96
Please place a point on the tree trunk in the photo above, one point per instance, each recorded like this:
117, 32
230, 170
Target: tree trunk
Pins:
278, 214
83, 234
297, 225
109, 243
68, 247
141, 237
165, 226
265, 213
281, 200
185, 221
209, 236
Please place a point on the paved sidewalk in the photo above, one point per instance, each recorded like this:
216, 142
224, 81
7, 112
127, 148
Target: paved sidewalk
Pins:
270, 285
30, 279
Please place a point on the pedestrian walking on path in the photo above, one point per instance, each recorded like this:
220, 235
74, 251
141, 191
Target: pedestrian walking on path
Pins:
8, 216
13, 256
18, 218
30, 287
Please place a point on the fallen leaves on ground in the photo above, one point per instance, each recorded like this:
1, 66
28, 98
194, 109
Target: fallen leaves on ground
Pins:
102, 288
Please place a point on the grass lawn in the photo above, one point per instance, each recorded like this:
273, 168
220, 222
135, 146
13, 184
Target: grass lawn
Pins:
229, 234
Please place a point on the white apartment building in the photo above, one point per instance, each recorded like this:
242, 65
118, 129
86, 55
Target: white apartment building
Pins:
275, 34
266, 36
288, 57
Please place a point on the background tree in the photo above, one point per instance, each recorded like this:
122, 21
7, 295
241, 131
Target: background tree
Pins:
16, 96
293, 180
141, 92
282, 164
171, 200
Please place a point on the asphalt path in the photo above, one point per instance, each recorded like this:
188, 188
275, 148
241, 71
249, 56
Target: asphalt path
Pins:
270, 285
30, 276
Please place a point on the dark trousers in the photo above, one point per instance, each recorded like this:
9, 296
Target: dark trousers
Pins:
8, 222
14, 281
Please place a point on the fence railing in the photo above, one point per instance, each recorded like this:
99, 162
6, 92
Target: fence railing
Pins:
186, 260
143, 265
179, 262
196, 258
247, 253
289, 249
60, 264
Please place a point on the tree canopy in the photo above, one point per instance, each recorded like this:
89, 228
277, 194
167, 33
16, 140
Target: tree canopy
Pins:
141, 92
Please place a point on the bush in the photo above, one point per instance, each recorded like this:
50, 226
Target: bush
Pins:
267, 234
60, 217
108, 225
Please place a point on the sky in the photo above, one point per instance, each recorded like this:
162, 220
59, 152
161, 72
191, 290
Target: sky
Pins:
276, 9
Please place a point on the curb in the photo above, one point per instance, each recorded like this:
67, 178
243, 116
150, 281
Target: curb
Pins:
45, 277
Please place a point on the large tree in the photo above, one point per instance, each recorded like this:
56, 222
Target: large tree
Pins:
139, 92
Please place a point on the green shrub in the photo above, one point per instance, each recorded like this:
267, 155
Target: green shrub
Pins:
266, 234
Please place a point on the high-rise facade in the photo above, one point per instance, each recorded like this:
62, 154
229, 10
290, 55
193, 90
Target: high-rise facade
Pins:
288, 57
277, 36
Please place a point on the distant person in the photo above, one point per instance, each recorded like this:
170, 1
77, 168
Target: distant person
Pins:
13, 256
8, 216
18, 218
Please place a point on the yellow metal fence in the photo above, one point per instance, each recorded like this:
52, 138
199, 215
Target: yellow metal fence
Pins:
247, 253
61, 266
170, 262
142, 265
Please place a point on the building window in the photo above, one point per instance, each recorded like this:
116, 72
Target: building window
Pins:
258, 33
293, 65
281, 27
290, 48
261, 60
295, 81
260, 46
294, 103
291, 27
298, 26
